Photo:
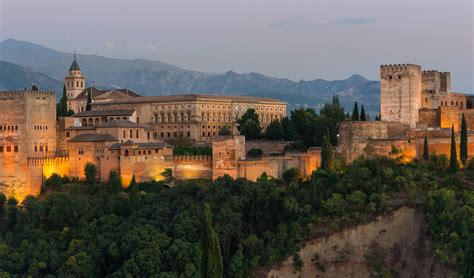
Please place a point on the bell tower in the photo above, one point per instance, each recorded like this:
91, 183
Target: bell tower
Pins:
75, 81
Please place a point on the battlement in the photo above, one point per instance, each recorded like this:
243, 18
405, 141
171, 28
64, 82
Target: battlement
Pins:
41, 160
19, 94
188, 158
398, 68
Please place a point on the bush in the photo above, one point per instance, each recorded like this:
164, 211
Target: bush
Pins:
90, 171
254, 153
54, 181
290, 174
297, 262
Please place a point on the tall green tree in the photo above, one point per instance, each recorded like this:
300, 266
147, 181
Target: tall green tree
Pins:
90, 171
313, 195
249, 125
463, 144
62, 109
275, 131
363, 117
89, 101
212, 266
355, 112
326, 153
134, 194
453, 161
426, 152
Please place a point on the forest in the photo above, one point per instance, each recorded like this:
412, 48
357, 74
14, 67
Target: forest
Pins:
90, 229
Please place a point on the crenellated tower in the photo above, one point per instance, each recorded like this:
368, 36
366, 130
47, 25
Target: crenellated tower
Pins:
74, 82
400, 93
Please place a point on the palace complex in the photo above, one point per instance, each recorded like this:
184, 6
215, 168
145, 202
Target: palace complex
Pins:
120, 130
125, 132
413, 104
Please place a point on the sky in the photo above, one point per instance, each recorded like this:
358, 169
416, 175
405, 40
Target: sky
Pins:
297, 40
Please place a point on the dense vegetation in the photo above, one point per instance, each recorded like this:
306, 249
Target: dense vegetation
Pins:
304, 126
91, 229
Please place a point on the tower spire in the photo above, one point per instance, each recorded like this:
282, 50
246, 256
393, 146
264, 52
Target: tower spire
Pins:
74, 54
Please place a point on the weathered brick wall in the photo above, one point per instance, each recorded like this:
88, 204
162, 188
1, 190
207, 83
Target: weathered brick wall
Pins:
429, 118
226, 152
268, 147
400, 93
354, 136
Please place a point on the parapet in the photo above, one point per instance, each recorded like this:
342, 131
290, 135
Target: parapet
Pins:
17, 94
398, 68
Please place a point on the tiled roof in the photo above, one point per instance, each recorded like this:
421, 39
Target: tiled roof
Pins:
121, 123
99, 113
191, 97
74, 66
93, 137
112, 93
154, 145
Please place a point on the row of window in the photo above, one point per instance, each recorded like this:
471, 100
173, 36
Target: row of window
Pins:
41, 148
8, 127
137, 133
78, 84
40, 127
8, 149
445, 103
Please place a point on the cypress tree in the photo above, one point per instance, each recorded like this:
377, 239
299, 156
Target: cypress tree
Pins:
453, 161
314, 191
212, 266
89, 101
426, 153
134, 196
326, 153
63, 103
355, 112
463, 146
362, 114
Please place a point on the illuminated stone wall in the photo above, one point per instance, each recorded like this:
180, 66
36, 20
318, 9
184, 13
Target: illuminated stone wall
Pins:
27, 129
400, 93
267, 147
226, 152
198, 117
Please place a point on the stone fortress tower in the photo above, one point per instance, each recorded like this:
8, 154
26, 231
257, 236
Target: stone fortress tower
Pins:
75, 83
400, 93
434, 85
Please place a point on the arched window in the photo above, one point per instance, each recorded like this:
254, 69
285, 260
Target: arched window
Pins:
126, 153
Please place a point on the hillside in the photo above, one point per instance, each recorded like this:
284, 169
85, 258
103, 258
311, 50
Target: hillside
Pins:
157, 78
15, 77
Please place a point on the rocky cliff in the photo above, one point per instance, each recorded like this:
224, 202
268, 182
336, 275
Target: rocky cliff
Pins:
393, 244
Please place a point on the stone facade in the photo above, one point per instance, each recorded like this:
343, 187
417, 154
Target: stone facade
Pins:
414, 104
27, 130
197, 117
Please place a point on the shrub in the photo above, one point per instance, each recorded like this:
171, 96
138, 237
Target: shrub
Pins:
254, 153
297, 262
290, 174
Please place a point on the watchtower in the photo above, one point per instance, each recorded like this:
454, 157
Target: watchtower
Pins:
74, 82
400, 93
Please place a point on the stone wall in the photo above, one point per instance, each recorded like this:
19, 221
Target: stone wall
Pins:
353, 137
400, 93
275, 166
27, 128
429, 118
267, 147
226, 152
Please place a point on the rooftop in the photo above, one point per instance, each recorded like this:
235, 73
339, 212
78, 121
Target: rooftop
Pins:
98, 94
93, 137
191, 97
154, 145
99, 113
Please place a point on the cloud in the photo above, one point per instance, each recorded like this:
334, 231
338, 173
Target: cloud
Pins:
110, 45
289, 23
353, 21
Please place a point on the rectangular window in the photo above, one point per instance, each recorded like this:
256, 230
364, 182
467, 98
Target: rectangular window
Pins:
148, 135
68, 134
162, 135
131, 134
16, 149
41, 148
1, 149
137, 133
189, 134
124, 134
169, 135
138, 120
9, 149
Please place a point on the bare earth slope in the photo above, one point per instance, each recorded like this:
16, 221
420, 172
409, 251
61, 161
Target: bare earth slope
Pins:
391, 243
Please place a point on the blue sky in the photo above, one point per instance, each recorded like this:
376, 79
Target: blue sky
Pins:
296, 40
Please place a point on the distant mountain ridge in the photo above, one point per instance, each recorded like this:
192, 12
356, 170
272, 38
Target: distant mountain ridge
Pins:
157, 78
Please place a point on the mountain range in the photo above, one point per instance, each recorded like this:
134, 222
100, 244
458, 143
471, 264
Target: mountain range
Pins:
23, 64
